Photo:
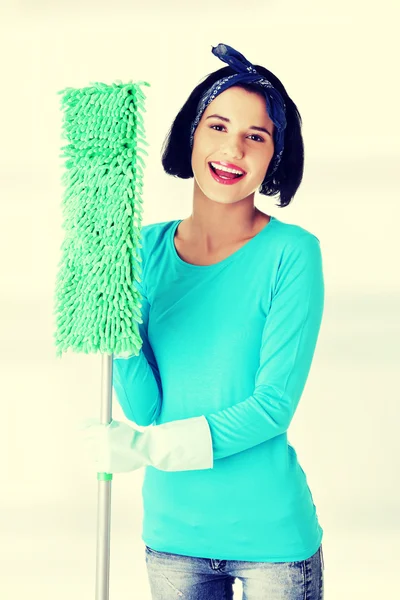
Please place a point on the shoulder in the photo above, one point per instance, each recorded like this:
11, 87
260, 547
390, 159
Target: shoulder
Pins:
292, 234
152, 233
152, 243
298, 252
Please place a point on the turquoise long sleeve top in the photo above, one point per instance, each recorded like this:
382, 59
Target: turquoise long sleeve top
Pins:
233, 342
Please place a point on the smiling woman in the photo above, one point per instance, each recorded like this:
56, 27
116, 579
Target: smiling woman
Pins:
232, 303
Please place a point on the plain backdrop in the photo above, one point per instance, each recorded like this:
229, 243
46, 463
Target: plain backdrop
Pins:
339, 63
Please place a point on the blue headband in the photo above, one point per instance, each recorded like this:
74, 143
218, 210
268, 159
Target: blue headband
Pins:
247, 73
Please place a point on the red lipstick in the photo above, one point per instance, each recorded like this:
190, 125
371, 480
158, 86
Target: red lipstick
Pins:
225, 181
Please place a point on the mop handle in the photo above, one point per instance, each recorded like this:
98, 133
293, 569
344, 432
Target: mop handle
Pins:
104, 490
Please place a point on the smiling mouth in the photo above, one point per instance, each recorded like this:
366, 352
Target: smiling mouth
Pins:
224, 174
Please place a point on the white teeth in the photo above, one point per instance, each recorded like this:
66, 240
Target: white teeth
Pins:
221, 168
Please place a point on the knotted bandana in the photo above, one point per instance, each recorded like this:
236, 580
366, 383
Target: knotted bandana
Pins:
246, 72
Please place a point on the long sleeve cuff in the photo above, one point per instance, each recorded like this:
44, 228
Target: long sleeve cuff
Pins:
124, 355
183, 445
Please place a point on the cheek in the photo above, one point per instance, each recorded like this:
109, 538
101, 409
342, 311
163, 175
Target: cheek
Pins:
203, 144
268, 157
202, 151
262, 167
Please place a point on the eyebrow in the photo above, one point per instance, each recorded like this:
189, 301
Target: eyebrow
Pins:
228, 121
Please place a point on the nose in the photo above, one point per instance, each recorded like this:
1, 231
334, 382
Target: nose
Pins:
232, 150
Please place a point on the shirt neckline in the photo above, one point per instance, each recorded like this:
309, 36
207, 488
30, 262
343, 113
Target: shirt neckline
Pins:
226, 260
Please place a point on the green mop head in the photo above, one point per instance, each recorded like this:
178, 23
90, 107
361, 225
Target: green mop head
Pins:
97, 305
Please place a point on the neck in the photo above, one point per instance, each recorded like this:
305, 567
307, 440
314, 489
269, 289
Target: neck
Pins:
213, 225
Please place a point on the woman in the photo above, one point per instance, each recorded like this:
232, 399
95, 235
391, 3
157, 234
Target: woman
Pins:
232, 303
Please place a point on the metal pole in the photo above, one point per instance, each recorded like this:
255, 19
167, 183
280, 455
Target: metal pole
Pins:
104, 490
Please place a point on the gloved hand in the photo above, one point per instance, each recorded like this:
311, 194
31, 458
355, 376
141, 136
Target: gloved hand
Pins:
183, 445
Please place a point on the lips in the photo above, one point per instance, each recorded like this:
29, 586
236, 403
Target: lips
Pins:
224, 181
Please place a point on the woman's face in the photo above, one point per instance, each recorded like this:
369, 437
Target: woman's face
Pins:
234, 142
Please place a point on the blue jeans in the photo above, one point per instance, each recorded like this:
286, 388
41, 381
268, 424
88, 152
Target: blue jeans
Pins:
173, 576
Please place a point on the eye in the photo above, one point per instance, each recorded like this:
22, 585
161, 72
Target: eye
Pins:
254, 135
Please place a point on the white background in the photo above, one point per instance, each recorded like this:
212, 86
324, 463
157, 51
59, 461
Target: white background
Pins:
339, 63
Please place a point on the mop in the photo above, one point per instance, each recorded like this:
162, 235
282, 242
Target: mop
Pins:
97, 306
